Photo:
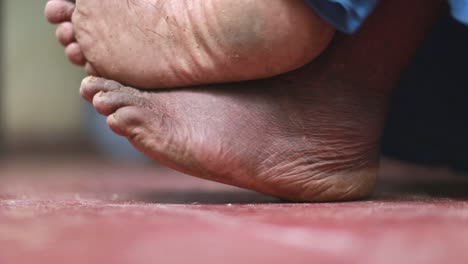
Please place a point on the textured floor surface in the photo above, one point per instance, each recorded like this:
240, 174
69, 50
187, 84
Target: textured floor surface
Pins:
90, 213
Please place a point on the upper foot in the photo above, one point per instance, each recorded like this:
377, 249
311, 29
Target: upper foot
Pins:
156, 44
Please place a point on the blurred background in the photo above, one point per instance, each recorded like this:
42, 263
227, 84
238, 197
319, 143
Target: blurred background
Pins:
42, 114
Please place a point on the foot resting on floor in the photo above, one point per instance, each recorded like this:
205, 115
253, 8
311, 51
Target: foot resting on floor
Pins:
278, 136
172, 43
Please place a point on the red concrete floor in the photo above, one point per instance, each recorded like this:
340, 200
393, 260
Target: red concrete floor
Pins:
90, 213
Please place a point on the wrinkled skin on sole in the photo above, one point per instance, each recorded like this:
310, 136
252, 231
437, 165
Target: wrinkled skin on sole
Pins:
159, 44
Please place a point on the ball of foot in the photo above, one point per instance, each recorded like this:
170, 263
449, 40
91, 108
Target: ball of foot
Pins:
159, 44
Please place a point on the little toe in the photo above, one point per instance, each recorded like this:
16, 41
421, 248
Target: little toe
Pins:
91, 85
106, 103
58, 11
65, 33
90, 70
74, 54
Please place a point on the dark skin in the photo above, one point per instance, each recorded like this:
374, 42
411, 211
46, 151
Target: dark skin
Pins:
216, 41
310, 135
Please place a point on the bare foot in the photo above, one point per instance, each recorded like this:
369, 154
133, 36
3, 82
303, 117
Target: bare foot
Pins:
157, 44
311, 135
273, 136
60, 12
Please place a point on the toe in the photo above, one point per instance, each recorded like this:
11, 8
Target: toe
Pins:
129, 121
151, 132
90, 70
106, 103
58, 11
65, 33
74, 54
90, 86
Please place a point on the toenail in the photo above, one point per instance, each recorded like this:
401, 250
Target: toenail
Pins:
112, 120
100, 94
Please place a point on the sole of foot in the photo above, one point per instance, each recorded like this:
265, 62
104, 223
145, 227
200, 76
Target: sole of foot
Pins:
162, 44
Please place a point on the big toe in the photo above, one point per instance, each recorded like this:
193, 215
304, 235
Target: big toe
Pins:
58, 11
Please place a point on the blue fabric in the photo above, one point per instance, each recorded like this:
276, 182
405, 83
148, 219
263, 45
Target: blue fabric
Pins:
348, 15
460, 10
